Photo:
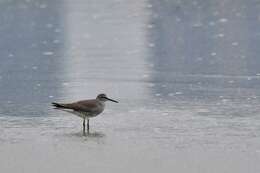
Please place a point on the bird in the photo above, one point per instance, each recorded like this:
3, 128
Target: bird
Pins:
85, 109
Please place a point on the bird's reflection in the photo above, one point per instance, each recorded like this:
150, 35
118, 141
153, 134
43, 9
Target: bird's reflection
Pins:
87, 135
95, 134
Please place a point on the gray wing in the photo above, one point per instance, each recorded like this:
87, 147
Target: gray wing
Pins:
80, 106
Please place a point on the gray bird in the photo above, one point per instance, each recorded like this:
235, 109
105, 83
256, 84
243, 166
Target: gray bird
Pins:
85, 109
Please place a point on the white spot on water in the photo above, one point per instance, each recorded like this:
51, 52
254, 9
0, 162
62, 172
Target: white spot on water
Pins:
212, 23
150, 26
223, 20
57, 30
25, 66
34, 67
196, 25
202, 110
178, 19
145, 76
34, 45
47, 53
213, 54
11, 55
151, 44
149, 6
220, 35
50, 96
224, 100
178, 93
56, 41
49, 25
243, 56
151, 65
65, 83
165, 113
38, 85
238, 14
171, 94
199, 59
95, 16
234, 43
157, 94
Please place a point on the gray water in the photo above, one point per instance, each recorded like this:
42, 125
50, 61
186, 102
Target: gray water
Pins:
186, 74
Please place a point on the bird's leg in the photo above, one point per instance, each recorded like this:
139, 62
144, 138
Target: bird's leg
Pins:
88, 126
84, 132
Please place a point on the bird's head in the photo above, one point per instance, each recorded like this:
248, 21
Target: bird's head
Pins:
103, 97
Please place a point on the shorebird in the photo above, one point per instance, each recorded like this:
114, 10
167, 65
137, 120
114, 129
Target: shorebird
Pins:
85, 109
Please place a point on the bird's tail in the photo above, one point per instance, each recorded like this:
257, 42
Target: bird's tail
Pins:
58, 105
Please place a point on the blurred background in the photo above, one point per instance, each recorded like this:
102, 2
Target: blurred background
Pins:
186, 74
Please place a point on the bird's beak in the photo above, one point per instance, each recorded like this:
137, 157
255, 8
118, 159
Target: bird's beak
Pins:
111, 100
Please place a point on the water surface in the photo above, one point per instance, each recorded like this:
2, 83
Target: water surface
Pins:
185, 73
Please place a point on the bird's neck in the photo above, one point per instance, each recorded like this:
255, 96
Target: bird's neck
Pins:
102, 103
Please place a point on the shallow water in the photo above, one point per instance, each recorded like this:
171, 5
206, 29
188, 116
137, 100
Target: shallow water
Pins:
185, 73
